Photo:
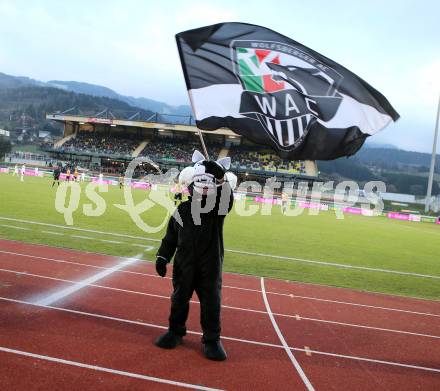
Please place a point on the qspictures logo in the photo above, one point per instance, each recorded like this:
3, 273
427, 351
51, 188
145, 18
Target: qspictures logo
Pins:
251, 198
285, 89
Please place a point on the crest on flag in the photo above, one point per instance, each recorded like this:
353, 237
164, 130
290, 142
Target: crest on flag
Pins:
285, 89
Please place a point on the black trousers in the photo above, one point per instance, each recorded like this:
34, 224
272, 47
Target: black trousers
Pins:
205, 278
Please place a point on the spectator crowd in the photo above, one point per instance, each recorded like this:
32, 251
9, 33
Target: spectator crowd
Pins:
179, 150
100, 143
257, 158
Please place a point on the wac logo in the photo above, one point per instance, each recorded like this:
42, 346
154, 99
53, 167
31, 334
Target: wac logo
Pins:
285, 89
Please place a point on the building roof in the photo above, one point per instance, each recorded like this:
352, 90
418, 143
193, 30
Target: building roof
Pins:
137, 124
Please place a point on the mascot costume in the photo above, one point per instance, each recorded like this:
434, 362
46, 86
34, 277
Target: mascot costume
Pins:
195, 236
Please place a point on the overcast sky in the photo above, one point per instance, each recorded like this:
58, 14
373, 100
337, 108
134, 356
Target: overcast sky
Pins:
129, 46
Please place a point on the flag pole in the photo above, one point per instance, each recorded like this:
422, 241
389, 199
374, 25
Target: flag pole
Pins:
199, 132
431, 169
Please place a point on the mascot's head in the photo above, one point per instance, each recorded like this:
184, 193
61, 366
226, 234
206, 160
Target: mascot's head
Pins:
206, 175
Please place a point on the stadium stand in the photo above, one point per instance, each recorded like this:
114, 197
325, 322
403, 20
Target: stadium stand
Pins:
176, 149
100, 143
105, 142
255, 158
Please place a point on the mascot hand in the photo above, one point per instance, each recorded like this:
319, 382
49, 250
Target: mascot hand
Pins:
161, 266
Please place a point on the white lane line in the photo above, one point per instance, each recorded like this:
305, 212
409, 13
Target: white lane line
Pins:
107, 370
292, 296
52, 259
283, 341
110, 241
53, 233
309, 261
258, 343
300, 317
297, 317
56, 296
14, 227
339, 265
227, 306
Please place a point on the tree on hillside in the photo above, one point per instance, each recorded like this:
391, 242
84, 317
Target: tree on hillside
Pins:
348, 168
5, 146
410, 184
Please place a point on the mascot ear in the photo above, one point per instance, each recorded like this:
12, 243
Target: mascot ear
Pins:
186, 176
232, 179
225, 162
197, 156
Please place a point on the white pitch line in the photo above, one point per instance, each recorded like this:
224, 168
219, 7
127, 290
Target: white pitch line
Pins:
283, 341
53, 233
258, 343
107, 370
14, 227
292, 296
228, 306
282, 257
110, 241
56, 296
79, 229
145, 247
81, 237
339, 265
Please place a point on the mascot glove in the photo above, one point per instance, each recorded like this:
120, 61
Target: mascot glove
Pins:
161, 266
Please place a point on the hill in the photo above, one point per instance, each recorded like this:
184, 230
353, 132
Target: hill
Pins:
25, 106
391, 158
144, 103
402, 171
8, 81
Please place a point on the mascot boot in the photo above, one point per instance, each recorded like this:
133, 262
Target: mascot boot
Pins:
169, 340
214, 350
194, 238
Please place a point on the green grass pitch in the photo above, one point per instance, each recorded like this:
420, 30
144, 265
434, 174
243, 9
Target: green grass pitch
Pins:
366, 242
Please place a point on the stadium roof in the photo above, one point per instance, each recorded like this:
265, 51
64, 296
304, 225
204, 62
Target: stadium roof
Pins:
136, 124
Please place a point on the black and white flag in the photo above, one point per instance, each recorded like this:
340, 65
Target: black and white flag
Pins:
276, 92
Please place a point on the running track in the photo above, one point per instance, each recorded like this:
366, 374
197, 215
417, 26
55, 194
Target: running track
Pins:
58, 334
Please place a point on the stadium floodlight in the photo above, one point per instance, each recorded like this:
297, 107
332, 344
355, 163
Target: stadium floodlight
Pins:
434, 152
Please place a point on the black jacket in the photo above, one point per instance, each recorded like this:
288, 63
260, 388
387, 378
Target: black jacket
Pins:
191, 241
